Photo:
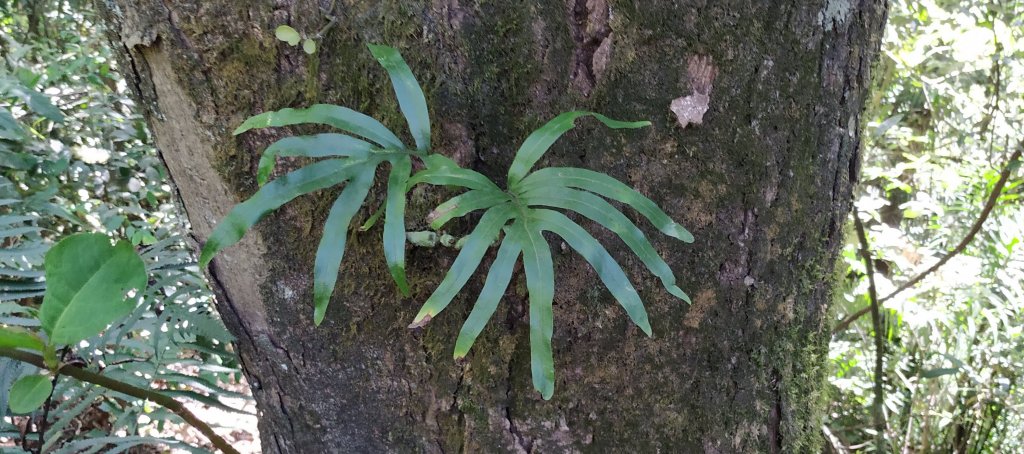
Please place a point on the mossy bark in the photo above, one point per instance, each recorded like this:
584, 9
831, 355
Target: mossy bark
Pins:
764, 184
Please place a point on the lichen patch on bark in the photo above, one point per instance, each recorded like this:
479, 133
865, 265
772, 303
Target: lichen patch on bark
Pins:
691, 109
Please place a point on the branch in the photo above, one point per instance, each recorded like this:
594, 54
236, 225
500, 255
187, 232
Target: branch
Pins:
876, 321
125, 388
997, 190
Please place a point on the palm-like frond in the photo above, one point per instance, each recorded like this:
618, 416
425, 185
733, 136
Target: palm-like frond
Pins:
524, 213
353, 162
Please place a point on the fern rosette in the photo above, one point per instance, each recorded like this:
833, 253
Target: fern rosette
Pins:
352, 161
524, 212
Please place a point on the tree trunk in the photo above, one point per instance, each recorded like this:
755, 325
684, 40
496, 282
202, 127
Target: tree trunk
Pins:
764, 183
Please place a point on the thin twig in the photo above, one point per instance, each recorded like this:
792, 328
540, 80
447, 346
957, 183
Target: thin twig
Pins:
332, 19
46, 405
131, 390
997, 190
876, 321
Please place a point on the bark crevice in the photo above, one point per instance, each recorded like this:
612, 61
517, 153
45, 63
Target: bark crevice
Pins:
592, 37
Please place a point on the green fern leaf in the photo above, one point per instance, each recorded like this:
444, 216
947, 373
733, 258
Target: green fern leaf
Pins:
463, 204
608, 187
466, 262
315, 146
358, 167
497, 282
394, 221
602, 212
569, 189
540, 283
243, 216
443, 171
607, 268
339, 117
407, 90
332, 243
541, 140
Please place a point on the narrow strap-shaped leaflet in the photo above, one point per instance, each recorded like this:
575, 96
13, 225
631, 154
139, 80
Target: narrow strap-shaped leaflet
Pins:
407, 90
339, 117
602, 212
463, 204
498, 278
540, 282
466, 262
607, 268
394, 222
314, 146
332, 243
541, 140
608, 187
243, 216
441, 170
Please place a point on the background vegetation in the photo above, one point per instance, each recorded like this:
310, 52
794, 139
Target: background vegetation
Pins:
75, 158
946, 115
944, 121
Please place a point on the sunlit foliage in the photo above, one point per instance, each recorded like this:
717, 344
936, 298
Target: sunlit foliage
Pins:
75, 157
947, 113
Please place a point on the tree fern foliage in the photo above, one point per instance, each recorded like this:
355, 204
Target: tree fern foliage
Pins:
516, 216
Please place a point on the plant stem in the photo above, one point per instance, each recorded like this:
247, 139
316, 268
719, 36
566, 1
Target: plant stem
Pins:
876, 321
128, 389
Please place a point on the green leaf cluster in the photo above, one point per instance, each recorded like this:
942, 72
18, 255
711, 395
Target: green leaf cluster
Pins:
517, 217
352, 161
90, 283
292, 37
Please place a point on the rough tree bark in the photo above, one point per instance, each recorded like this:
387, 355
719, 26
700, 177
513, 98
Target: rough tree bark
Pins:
764, 184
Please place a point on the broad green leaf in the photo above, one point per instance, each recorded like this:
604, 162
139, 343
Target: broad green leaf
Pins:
339, 117
540, 283
494, 288
243, 216
607, 268
466, 263
394, 221
17, 337
460, 205
541, 140
314, 146
407, 90
443, 171
17, 161
332, 243
287, 34
29, 393
602, 212
39, 103
9, 127
309, 46
605, 186
87, 282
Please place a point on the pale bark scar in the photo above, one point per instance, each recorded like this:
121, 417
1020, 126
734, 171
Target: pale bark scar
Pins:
691, 109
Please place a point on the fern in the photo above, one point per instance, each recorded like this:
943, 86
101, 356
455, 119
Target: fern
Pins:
354, 162
523, 211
